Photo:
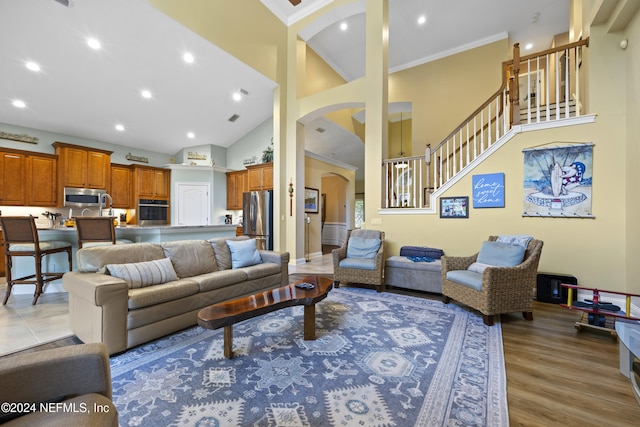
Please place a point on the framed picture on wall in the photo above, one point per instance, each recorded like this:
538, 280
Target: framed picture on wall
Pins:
311, 200
454, 207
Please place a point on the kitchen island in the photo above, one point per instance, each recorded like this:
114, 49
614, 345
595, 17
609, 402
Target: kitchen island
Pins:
23, 266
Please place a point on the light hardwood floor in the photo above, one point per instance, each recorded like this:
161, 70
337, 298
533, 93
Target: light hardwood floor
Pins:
556, 376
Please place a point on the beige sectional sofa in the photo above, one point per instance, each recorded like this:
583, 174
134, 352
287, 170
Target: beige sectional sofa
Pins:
128, 311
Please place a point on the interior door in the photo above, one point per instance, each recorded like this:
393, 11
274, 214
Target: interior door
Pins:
194, 203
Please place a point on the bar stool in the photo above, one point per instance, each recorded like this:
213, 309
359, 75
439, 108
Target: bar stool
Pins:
97, 231
21, 239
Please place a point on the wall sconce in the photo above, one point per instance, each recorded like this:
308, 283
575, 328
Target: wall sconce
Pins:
291, 197
624, 43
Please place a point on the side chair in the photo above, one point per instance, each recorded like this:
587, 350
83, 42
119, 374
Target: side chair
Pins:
97, 231
21, 240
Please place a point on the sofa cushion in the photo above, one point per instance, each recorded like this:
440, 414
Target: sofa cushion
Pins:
244, 253
264, 269
358, 263
359, 247
467, 278
222, 252
152, 295
500, 254
190, 257
219, 279
141, 274
89, 260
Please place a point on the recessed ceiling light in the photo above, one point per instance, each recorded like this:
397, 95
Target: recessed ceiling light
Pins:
120, 127
422, 19
145, 94
32, 66
19, 104
94, 44
237, 96
191, 135
344, 26
528, 46
188, 58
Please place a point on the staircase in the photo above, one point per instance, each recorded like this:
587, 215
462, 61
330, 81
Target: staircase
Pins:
540, 88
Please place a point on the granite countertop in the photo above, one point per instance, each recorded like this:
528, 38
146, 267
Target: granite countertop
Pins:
151, 227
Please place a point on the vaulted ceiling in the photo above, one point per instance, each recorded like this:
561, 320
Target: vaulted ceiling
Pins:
85, 92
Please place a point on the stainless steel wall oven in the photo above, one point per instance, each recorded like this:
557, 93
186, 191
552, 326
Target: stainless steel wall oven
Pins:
153, 212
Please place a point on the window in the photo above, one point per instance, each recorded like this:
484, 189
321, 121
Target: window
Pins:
359, 210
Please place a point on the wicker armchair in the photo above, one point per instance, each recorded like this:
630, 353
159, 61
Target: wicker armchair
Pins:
372, 274
504, 289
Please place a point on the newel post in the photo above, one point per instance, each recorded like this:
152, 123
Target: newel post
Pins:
514, 86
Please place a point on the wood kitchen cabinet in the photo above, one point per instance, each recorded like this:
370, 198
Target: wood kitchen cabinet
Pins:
41, 180
13, 166
260, 177
28, 178
151, 183
121, 187
82, 167
236, 185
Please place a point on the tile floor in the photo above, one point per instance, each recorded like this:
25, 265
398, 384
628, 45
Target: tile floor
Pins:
23, 325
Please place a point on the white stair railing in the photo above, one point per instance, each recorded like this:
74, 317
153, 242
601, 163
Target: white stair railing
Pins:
542, 87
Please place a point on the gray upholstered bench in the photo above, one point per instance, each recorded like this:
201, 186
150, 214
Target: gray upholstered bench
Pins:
402, 272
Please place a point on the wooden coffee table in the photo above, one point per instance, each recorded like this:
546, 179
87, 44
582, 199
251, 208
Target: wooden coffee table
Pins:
225, 314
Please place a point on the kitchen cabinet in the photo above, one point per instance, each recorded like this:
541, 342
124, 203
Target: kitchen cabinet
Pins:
260, 177
41, 180
121, 186
28, 178
151, 183
13, 165
82, 167
236, 185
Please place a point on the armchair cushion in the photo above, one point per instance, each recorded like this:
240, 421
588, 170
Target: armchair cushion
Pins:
358, 263
244, 253
467, 278
500, 254
360, 247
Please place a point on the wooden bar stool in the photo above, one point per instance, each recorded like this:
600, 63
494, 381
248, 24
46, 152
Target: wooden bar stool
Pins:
21, 239
97, 231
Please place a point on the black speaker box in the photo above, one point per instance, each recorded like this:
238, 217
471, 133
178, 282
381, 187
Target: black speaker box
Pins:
549, 289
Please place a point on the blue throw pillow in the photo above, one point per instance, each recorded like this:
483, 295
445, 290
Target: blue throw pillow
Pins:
243, 253
500, 254
359, 247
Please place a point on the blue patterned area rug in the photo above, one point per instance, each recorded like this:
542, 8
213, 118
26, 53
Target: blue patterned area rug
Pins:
381, 359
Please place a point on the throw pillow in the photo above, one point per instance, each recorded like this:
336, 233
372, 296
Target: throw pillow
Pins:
141, 274
222, 253
500, 254
478, 267
359, 247
244, 253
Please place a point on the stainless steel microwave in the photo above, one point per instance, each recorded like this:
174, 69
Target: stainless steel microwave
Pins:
82, 197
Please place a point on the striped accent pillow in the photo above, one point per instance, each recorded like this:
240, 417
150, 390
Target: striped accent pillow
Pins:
141, 274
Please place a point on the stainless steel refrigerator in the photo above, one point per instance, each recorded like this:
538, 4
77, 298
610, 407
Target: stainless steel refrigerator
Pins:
257, 214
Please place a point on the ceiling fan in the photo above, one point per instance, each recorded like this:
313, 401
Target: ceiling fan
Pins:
293, 2
63, 2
